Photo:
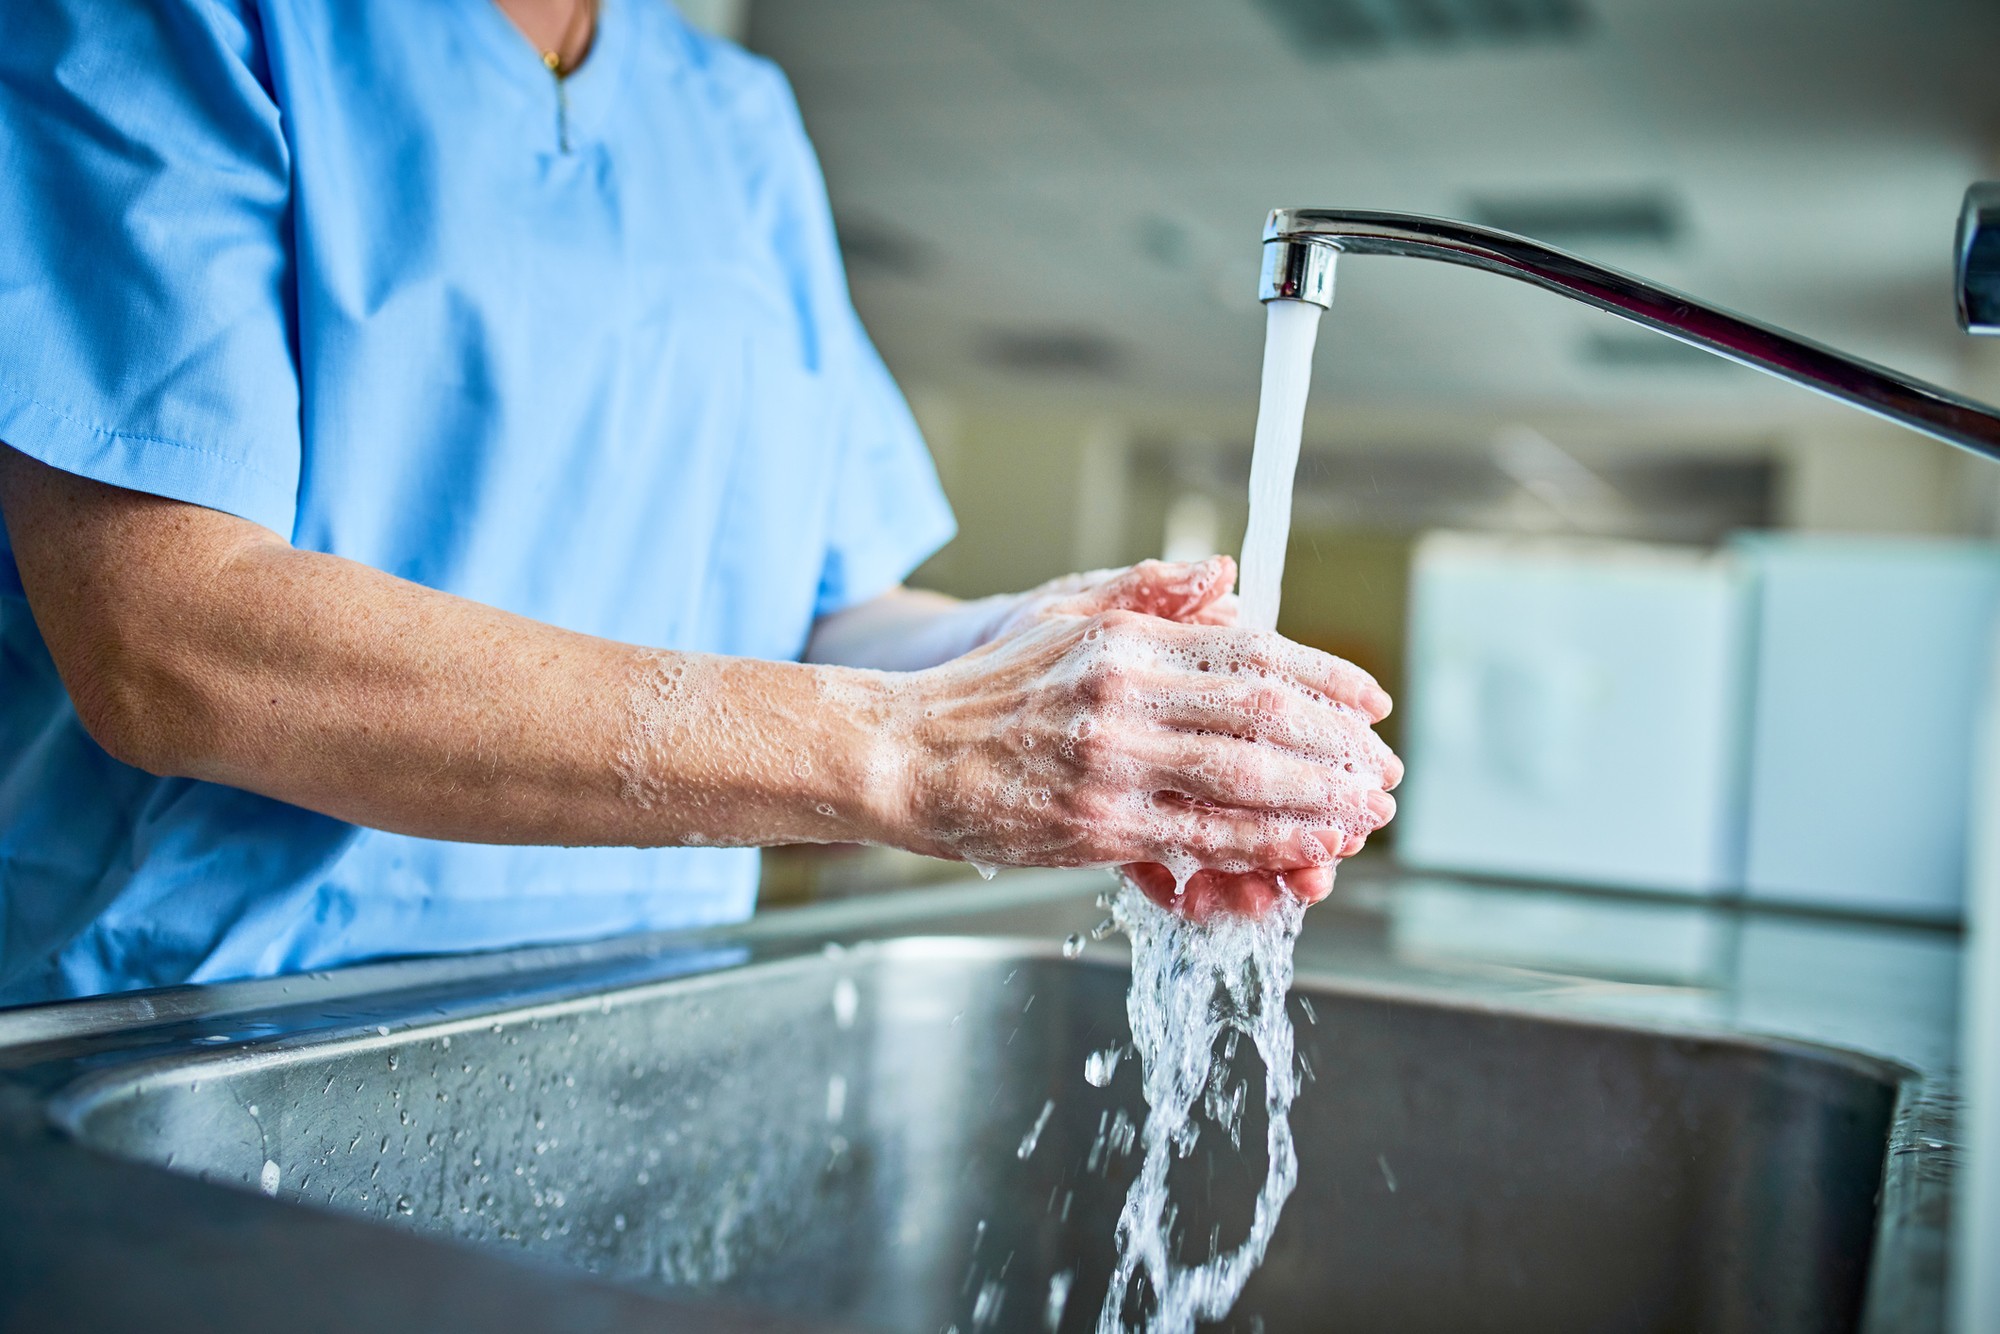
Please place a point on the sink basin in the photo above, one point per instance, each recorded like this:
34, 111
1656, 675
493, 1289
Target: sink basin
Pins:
839, 1135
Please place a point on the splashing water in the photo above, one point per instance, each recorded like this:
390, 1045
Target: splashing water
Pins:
1059, 1285
1034, 1135
1197, 985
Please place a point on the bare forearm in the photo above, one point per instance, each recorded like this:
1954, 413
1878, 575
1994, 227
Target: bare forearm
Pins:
214, 650
339, 688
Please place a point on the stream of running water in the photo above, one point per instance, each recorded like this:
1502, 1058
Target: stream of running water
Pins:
1199, 988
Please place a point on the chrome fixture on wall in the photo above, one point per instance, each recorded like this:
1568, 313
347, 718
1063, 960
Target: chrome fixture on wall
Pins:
1301, 244
1979, 260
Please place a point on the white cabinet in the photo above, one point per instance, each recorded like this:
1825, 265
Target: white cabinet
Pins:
1871, 666
1576, 712
1791, 717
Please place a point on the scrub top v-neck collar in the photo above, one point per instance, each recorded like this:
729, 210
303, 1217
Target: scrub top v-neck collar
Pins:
572, 110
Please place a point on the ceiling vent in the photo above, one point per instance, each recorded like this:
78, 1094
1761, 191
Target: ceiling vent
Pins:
1330, 29
1050, 352
1645, 218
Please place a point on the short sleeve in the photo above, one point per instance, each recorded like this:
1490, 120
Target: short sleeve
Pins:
145, 311
887, 512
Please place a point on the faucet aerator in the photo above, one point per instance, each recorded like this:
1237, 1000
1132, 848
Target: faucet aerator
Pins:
1298, 269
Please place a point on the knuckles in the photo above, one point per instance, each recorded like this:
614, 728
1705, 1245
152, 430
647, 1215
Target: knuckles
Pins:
1119, 621
1107, 686
1266, 706
1242, 773
1090, 749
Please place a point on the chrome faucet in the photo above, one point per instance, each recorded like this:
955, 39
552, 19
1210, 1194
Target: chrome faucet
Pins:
1300, 247
1301, 244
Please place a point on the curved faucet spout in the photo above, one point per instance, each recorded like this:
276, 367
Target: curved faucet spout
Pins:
1300, 244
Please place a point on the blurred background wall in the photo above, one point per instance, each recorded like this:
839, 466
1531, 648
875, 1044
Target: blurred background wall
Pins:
1050, 214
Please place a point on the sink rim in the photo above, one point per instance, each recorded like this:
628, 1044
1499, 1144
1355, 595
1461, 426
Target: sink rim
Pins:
73, 1100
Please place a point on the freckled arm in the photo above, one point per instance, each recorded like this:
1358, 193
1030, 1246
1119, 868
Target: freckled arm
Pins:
197, 644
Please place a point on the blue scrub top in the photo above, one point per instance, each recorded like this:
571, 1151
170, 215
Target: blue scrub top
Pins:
359, 271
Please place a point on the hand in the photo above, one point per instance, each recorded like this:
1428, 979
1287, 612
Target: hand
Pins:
1089, 733
1193, 593
1244, 893
1213, 893
1196, 597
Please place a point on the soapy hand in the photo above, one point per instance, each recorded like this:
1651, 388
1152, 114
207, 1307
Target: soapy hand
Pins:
1122, 718
1191, 592
1244, 893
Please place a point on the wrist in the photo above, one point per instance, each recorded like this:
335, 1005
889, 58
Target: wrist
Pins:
879, 739
994, 615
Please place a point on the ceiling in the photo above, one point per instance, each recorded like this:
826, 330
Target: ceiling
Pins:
1060, 199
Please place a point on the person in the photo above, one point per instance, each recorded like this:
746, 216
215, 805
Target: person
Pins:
451, 503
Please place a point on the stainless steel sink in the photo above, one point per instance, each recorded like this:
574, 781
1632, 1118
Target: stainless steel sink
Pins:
836, 1134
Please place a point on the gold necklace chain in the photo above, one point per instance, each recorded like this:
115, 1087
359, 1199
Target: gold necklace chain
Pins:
553, 58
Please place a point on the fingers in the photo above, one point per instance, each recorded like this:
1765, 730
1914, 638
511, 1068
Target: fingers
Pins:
1226, 839
1310, 885
1246, 776
1210, 894
1224, 771
1280, 716
1336, 678
1225, 649
1223, 611
1173, 591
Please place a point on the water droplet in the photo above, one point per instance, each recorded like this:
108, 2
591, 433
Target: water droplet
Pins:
1034, 1135
1072, 945
1058, 1299
404, 1204
846, 1001
986, 1306
267, 1180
